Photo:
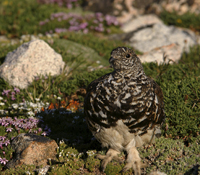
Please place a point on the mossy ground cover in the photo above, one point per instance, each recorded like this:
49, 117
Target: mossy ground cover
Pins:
187, 20
56, 103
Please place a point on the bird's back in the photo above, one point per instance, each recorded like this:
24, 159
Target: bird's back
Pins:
137, 101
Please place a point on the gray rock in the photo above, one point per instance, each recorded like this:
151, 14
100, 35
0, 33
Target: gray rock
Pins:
139, 22
170, 53
28, 61
159, 35
30, 149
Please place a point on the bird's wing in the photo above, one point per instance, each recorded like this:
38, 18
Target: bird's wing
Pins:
146, 108
139, 107
97, 108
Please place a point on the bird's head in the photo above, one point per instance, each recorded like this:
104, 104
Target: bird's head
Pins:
125, 59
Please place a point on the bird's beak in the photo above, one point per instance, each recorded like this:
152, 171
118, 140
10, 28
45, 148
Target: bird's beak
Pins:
111, 60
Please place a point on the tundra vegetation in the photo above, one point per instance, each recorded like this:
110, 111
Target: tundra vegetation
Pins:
56, 103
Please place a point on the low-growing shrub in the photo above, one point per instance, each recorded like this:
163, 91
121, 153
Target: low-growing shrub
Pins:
180, 84
187, 20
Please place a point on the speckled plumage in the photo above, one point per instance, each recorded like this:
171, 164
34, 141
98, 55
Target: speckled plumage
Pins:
124, 109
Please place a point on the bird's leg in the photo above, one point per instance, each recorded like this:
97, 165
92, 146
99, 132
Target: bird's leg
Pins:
111, 154
133, 160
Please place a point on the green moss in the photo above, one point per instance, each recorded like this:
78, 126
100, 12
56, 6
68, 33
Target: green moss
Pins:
92, 163
170, 156
192, 57
187, 20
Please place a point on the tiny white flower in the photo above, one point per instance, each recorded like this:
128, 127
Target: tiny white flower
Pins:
37, 99
2, 104
55, 96
30, 113
59, 98
27, 172
98, 62
61, 142
21, 104
1, 98
15, 106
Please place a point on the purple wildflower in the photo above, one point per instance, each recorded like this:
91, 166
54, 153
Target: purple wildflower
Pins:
16, 90
83, 25
60, 30
3, 161
9, 129
1, 145
85, 31
13, 97
74, 28
69, 6
6, 92
7, 142
4, 123
2, 138
41, 23
44, 133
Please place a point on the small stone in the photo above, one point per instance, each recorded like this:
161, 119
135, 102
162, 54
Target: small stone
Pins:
30, 149
157, 173
3, 38
48, 35
40, 35
33, 37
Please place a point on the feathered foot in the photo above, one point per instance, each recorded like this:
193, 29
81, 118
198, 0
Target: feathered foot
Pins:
111, 154
133, 161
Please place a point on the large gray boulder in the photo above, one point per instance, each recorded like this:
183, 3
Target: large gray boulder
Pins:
159, 35
156, 40
30, 60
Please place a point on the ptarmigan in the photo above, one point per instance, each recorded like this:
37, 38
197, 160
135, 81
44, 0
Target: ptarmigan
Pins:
124, 109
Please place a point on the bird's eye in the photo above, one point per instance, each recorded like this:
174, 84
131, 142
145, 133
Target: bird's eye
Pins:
128, 56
